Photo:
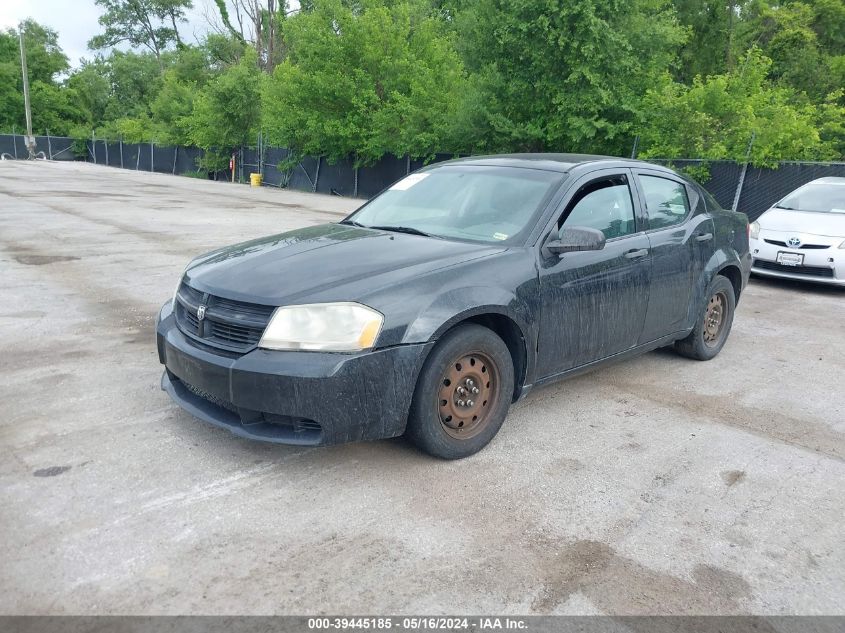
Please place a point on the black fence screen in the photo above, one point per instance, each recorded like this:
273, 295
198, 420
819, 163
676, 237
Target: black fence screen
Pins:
13, 146
752, 189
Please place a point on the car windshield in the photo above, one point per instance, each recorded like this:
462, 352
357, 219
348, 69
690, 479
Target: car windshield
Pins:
821, 197
475, 203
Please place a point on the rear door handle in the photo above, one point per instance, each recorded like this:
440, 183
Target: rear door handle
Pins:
703, 237
636, 253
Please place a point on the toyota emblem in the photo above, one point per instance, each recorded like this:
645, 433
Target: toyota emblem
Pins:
794, 242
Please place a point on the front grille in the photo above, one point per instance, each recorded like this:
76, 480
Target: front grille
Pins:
810, 271
804, 246
235, 326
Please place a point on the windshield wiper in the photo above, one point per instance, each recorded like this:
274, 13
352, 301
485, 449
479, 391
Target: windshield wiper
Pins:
402, 229
353, 223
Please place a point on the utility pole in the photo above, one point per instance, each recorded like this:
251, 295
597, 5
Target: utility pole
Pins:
30, 139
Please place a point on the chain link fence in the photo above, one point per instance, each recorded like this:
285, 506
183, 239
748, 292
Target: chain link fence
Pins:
13, 146
749, 189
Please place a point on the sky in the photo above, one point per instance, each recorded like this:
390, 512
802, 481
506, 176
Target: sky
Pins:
76, 21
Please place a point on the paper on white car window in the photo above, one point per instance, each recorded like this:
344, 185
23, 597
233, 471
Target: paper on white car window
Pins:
408, 182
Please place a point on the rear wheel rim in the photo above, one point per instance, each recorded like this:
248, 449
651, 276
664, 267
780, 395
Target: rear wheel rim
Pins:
469, 391
715, 318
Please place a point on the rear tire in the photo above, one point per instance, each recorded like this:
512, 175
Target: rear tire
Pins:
713, 324
463, 393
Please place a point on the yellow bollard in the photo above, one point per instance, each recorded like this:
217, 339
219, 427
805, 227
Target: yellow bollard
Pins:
255, 180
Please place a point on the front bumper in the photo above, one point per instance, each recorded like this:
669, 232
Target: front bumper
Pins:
821, 265
304, 398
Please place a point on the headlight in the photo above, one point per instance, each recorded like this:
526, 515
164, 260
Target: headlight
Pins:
755, 230
334, 327
842, 245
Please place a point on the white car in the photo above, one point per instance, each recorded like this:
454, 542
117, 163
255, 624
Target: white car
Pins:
803, 235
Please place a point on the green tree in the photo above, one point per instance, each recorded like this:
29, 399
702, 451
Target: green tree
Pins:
364, 81
716, 117
259, 23
93, 91
804, 39
561, 75
712, 26
51, 109
226, 112
151, 24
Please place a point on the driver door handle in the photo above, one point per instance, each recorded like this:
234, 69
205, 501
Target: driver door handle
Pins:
636, 253
703, 237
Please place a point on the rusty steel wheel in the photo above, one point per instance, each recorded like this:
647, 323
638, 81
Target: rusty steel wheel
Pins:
469, 389
714, 322
463, 393
714, 318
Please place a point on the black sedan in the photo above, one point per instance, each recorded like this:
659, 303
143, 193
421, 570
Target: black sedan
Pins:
438, 303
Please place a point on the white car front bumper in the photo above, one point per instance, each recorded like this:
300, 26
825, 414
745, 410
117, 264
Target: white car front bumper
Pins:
822, 259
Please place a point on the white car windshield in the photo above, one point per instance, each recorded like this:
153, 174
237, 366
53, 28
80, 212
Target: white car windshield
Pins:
476, 203
820, 197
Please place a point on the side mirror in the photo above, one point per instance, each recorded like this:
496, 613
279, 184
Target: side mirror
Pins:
576, 238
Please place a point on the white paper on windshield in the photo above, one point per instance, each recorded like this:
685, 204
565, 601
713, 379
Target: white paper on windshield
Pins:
408, 181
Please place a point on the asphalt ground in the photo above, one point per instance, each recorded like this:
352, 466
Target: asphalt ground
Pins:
659, 485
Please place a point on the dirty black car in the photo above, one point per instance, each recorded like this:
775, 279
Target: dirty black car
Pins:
447, 297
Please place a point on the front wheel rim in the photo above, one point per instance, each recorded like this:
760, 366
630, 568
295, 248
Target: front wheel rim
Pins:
469, 390
715, 318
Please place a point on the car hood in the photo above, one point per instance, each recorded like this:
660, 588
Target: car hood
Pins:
328, 262
782, 220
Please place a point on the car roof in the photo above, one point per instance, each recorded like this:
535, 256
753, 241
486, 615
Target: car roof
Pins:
562, 163
828, 180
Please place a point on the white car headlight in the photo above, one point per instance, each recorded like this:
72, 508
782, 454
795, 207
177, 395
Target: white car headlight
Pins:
330, 327
755, 230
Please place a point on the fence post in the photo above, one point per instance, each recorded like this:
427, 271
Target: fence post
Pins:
317, 174
355, 186
635, 147
152, 157
175, 154
94, 146
49, 146
407, 164
138, 157
741, 182
15, 141
106, 145
121, 152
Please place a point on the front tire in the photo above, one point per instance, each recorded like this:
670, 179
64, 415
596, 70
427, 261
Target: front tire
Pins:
714, 323
463, 393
